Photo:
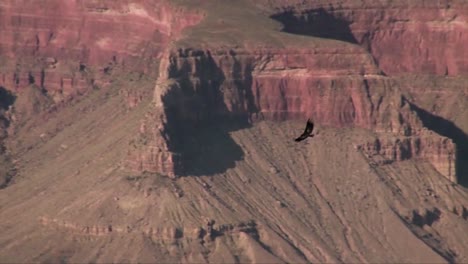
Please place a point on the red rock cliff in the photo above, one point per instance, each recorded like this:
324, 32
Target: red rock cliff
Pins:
420, 37
416, 39
68, 46
72, 46
338, 87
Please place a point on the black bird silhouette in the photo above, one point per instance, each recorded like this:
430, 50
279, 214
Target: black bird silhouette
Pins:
307, 132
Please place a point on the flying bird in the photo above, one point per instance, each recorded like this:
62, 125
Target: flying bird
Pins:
307, 132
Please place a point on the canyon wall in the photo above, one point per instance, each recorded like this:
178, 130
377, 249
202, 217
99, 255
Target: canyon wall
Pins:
418, 37
71, 46
426, 146
66, 49
419, 43
339, 87
53, 51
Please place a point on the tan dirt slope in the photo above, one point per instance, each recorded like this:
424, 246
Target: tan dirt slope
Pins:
276, 201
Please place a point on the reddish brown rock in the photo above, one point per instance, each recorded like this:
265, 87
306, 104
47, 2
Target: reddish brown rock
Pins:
337, 87
149, 151
428, 146
419, 37
425, 39
337, 84
68, 45
274, 84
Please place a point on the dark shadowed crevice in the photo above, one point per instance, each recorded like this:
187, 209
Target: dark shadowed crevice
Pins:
428, 218
7, 170
6, 98
317, 23
448, 129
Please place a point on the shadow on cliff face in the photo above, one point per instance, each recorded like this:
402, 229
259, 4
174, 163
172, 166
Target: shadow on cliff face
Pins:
210, 149
199, 121
6, 168
448, 129
316, 23
6, 98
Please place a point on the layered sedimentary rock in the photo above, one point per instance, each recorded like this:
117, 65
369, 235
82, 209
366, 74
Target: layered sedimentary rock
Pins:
87, 44
416, 37
338, 87
68, 47
171, 233
64, 50
428, 146
150, 151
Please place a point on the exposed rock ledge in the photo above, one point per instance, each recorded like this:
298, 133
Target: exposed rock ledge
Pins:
169, 233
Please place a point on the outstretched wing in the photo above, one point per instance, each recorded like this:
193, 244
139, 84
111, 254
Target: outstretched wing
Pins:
309, 127
307, 131
301, 137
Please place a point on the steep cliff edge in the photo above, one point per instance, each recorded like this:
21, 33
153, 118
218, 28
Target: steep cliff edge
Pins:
441, 103
339, 87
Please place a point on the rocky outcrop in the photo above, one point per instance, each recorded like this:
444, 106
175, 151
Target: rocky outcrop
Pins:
427, 145
150, 151
338, 87
206, 233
